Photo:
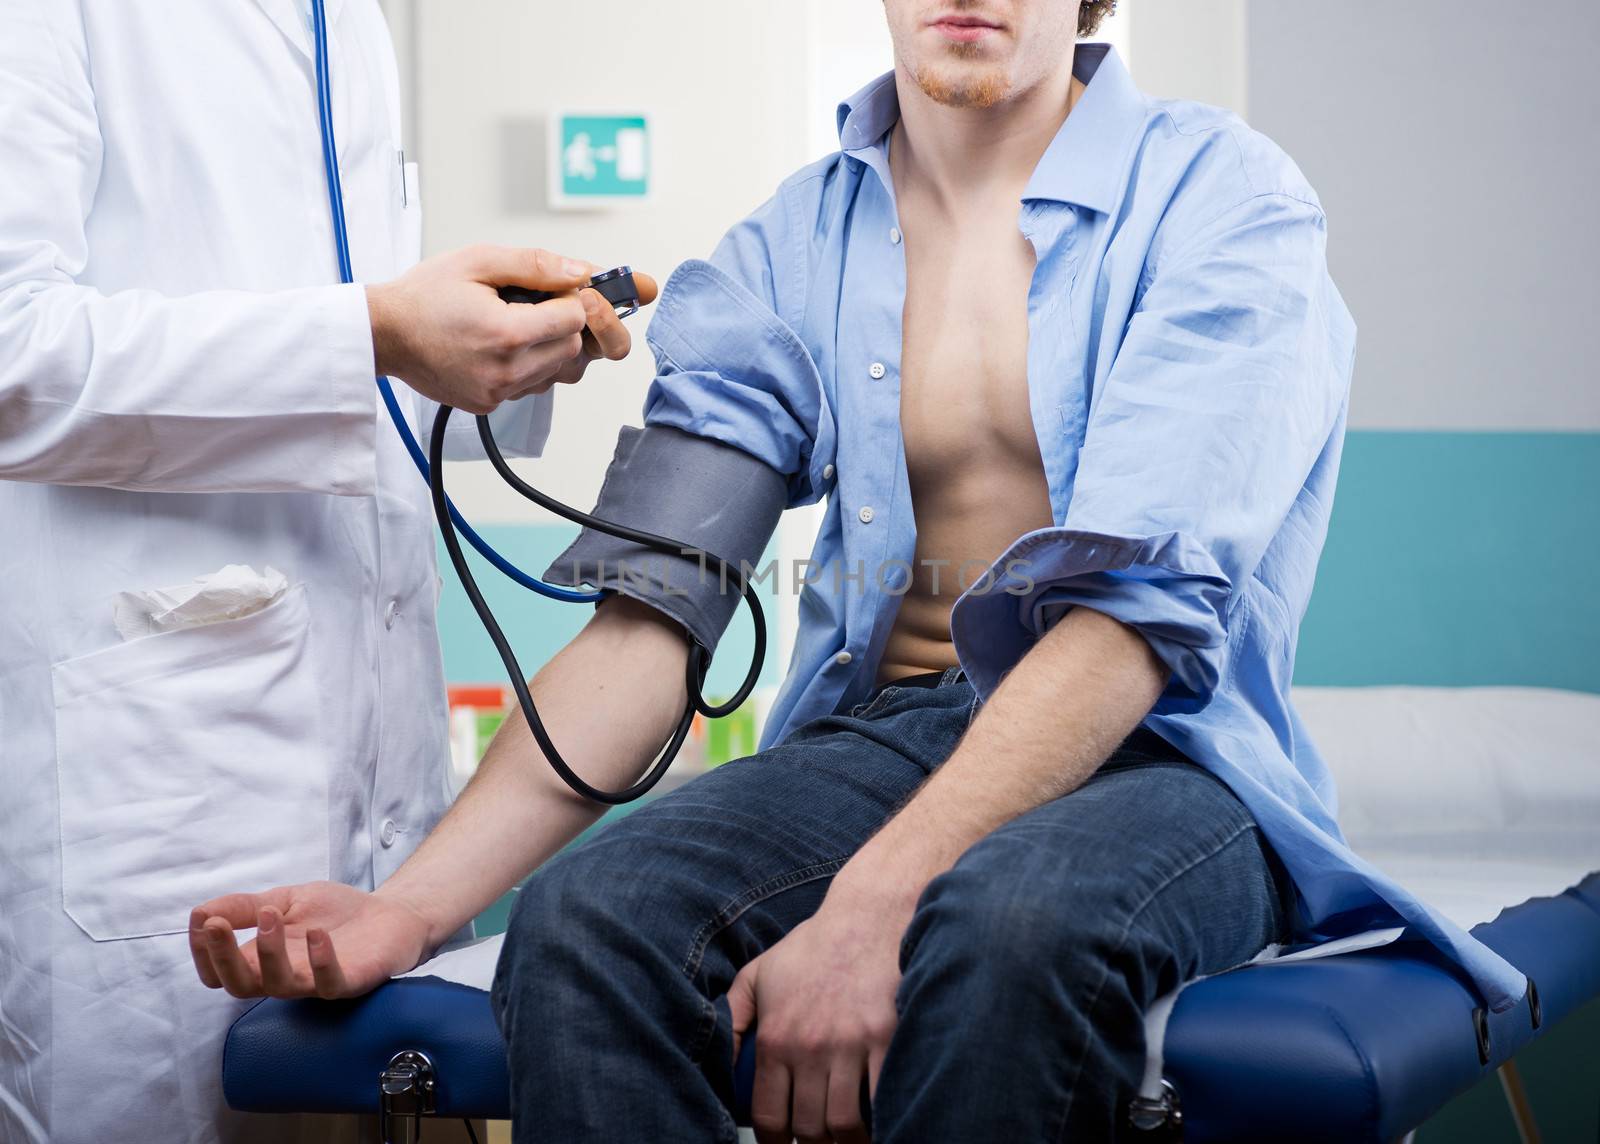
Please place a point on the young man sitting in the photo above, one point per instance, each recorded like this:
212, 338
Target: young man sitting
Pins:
1028, 322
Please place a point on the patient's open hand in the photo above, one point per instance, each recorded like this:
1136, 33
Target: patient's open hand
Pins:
320, 939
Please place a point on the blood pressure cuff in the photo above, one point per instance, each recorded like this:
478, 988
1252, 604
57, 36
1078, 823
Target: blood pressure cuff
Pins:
710, 496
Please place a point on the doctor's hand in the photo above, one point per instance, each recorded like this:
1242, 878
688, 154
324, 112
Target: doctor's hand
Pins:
320, 939
442, 328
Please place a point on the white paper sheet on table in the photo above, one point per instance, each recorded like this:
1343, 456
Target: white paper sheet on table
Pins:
473, 963
470, 964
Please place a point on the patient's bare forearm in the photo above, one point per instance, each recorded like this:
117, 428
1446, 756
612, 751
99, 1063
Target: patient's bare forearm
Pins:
609, 700
1055, 719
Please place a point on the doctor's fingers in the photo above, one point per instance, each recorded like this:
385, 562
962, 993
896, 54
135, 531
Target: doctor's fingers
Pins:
526, 266
646, 286
523, 327
605, 336
538, 367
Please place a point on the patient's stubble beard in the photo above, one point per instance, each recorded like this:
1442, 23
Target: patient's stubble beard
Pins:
980, 91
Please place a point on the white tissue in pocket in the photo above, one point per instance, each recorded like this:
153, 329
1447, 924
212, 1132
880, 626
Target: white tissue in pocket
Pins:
230, 593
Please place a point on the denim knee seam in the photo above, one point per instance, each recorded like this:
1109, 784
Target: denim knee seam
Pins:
731, 912
725, 917
1122, 941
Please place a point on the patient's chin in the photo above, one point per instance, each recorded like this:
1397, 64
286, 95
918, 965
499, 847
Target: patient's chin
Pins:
963, 86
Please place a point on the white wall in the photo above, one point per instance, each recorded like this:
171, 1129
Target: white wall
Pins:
1189, 49
1453, 146
847, 44
1453, 143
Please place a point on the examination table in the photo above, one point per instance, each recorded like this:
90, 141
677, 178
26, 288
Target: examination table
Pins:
1478, 798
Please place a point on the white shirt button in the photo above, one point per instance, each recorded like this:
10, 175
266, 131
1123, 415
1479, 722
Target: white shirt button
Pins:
876, 370
391, 613
387, 832
894, 235
827, 472
865, 514
843, 658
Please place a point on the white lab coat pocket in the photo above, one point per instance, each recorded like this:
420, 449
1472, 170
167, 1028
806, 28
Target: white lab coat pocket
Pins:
190, 764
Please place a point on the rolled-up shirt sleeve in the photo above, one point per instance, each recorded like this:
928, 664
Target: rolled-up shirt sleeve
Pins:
1224, 393
730, 366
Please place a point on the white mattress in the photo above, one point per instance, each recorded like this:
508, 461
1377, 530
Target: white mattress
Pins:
1475, 798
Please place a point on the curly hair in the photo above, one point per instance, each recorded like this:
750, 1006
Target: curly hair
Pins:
1091, 12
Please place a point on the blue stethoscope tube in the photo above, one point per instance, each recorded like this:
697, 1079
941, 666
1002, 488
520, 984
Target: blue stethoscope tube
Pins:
341, 239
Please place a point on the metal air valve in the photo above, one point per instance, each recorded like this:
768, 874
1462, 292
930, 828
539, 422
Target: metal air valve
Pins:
405, 1096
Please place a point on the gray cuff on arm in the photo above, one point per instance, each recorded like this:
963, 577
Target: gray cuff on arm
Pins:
709, 495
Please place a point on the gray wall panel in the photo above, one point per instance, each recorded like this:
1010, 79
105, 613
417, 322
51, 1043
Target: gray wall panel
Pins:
1458, 156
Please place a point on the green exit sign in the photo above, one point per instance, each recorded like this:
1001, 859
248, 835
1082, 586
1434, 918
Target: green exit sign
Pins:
597, 158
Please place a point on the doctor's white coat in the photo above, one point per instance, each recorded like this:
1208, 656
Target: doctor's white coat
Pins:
184, 385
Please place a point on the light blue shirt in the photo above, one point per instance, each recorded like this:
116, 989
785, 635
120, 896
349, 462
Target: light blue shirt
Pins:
1189, 363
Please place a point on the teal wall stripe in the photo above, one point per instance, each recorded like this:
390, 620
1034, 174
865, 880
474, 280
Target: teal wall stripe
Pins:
1458, 559
1453, 559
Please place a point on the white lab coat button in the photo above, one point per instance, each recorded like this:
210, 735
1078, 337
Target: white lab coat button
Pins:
843, 658
865, 514
894, 235
876, 370
391, 613
827, 472
387, 832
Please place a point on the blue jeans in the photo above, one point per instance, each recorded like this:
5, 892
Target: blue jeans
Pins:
1027, 966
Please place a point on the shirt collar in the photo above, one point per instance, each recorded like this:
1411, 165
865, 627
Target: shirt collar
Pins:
1083, 164
866, 117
